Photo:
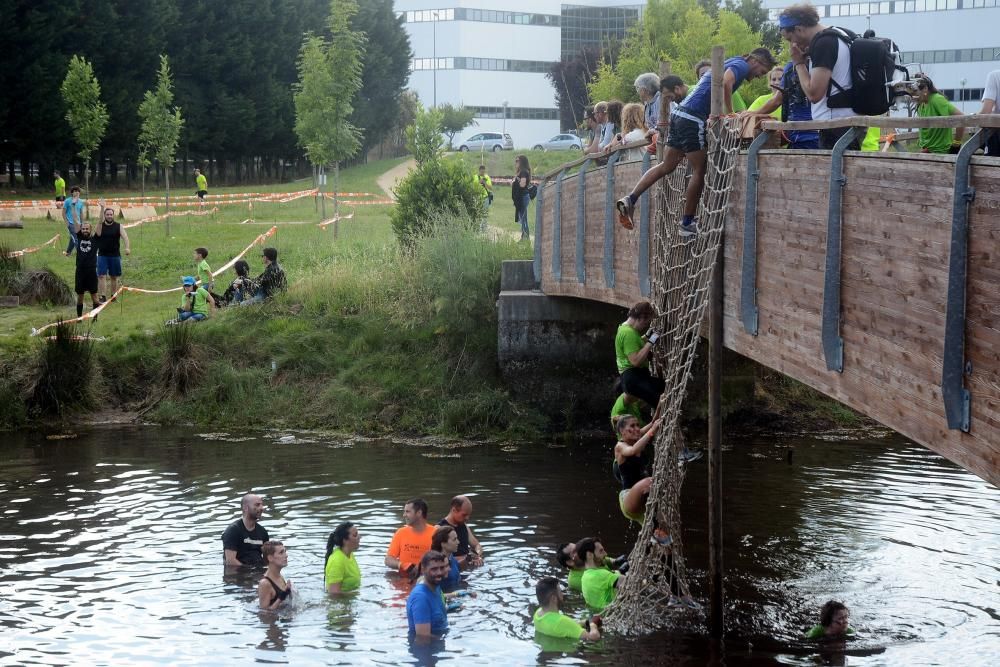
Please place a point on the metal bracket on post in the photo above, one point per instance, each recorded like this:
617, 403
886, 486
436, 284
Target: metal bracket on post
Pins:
557, 229
748, 282
581, 224
537, 264
609, 222
833, 344
957, 400
644, 216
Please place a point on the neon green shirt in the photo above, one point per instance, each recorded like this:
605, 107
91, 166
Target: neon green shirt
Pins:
576, 575
556, 624
486, 186
627, 341
870, 143
201, 181
204, 272
761, 101
622, 408
936, 139
599, 587
200, 301
343, 570
738, 103
60, 187
818, 632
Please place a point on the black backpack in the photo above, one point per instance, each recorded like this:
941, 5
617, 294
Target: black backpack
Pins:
875, 62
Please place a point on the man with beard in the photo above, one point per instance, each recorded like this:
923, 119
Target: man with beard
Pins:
242, 540
86, 267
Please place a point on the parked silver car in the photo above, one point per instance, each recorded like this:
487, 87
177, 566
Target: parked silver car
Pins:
561, 142
489, 141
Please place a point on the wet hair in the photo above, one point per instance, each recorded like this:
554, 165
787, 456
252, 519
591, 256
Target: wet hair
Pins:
562, 557
586, 546
642, 310
763, 56
545, 589
623, 422
268, 549
271, 254
242, 268
615, 113
337, 537
924, 80
441, 535
829, 610
419, 504
705, 62
633, 117
647, 82
203, 252
804, 14
432, 556
670, 82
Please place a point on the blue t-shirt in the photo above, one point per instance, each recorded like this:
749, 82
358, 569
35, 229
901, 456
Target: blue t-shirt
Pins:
799, 106
451, 582
699, 100
426, 605
73, 214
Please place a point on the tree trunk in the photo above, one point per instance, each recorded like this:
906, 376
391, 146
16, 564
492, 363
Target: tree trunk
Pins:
322, 198
336, 202
86, 186
166, 174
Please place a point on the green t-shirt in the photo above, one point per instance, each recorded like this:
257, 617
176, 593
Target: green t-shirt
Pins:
622, 408
738, 103
200, 301
870, 142
936, 139
598, 586
818, 632
343, 570
60, 187
557, 624
761, 101
204, 272
484, 187
201, 181
627, 341
576, 574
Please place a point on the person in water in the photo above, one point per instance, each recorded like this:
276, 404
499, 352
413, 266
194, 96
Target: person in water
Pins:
412, 541
567, 557
426, 616
445, 540
834, 619
274, 590
549, 619
342, 574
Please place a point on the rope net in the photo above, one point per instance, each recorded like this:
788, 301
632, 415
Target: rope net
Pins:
649, 595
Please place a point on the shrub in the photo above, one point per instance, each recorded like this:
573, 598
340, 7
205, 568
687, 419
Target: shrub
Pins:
181, 366
436, 193
42, 286
10, 268
62, 378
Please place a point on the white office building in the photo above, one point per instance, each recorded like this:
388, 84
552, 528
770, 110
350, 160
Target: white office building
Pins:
956, 42
493, 56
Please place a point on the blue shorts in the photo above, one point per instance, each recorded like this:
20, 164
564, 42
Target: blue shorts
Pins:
109, 266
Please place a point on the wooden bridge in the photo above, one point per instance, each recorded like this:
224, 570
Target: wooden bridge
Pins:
871, 277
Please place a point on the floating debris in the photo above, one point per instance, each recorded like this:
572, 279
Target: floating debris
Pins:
61, 436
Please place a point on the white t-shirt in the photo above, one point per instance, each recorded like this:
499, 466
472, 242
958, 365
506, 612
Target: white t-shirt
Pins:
607, 134
840, 72
634, 135
992, 89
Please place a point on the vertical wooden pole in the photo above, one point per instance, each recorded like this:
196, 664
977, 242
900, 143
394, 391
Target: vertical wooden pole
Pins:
664, 120
715, 585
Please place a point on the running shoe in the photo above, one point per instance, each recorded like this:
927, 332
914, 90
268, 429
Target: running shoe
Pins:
690, 229
625, 208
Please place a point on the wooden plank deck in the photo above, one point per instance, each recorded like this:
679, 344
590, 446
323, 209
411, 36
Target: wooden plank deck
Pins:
896, 242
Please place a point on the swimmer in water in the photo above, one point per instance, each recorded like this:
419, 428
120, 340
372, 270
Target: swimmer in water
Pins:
273, 590
834, 620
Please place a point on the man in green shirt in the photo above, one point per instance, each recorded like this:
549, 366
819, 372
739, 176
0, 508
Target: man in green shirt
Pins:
60, 189
202, 183
626, 405
632, 350
600, 585
550, 621
567, 557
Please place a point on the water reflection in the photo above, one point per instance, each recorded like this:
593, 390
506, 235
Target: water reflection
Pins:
113, 546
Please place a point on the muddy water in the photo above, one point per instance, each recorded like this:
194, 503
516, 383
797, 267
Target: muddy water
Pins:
111, 549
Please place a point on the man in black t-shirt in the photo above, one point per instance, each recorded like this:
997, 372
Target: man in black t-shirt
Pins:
242, 540
469, 550
109, 258
86, 267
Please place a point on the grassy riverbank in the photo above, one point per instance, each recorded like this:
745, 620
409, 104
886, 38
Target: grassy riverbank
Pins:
367, 338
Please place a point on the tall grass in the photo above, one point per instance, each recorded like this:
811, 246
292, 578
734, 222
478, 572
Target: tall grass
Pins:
62, 378
10, 269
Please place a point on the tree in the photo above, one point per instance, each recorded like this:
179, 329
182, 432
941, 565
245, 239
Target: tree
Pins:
756, 16
454, 120
569, 78
329, 78
161, 124
85, 112
423, 138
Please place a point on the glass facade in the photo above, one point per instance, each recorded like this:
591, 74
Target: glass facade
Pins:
988, 54
516, 113
483, 15
590, 27
893, 7
487, 64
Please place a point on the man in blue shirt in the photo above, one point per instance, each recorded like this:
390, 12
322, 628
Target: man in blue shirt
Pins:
686, 137
74, 210
425, 611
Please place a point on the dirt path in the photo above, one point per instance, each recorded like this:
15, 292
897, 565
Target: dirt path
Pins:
388, 180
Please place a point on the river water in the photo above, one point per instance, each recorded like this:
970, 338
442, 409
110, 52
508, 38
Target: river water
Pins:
111, 549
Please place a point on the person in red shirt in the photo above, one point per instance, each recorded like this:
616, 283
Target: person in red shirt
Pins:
413, 540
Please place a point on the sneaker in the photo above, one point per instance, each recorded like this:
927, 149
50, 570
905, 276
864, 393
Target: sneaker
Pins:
103, 298
689, 455
690, 229
625, 208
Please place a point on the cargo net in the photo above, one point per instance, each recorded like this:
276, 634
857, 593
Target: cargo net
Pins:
652, 594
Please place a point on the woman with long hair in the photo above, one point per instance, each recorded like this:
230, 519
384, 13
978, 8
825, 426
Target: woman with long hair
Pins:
519, 193
633, 128
341, 572
274, 590
445, 540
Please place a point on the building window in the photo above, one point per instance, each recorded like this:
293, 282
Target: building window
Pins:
516, 113
487, 64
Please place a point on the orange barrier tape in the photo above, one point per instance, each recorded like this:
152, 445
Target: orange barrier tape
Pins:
163, 216
139, 290
185, 200
325, 223
26, 251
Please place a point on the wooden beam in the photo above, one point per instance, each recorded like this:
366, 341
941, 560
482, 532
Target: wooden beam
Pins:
12, 224
890, 122
10, 301
580, 160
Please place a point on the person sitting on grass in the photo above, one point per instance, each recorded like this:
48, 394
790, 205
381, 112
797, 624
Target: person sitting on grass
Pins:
202, 269
271, 281
242, 287
549, 619
195, 302
834, 620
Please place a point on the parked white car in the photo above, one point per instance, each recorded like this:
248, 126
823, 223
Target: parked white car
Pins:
489, 141
561, 142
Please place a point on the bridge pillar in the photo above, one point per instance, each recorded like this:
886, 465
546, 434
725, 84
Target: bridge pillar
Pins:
555, 352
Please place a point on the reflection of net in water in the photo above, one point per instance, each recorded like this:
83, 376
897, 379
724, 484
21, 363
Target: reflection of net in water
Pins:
681, 277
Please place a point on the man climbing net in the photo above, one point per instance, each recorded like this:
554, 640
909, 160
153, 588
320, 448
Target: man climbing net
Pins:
682, 269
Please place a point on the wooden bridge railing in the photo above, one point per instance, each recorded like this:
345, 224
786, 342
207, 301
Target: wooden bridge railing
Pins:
876, 281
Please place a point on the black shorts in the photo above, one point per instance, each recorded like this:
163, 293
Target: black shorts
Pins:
201, 194
86, 279
685, 134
